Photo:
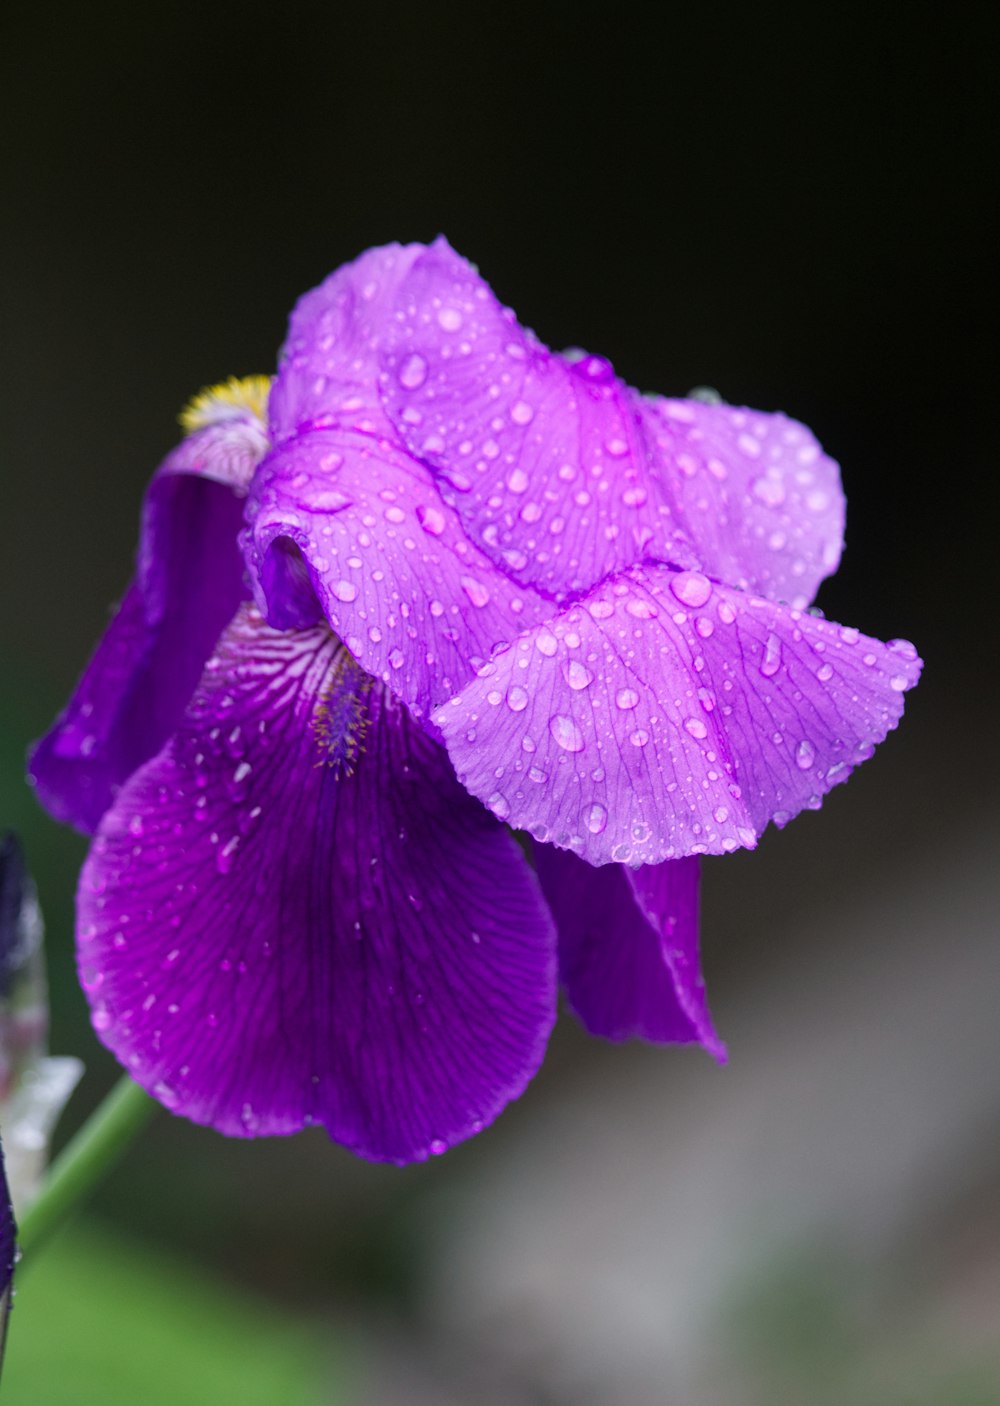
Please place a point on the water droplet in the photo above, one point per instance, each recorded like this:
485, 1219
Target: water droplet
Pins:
771, 662
566, 733
224, 857
577, 675
899, 683
546, 643
626, 698
691, 588
521, 413
641, 609
536, 774
595, 817
695, 727
639, 738
345, 591
450, 319
396, 658
721, 814
517, 481
476, 591
517, 698
499, 805
413, 372
431, 519
825, 673
438, 1145
805, 755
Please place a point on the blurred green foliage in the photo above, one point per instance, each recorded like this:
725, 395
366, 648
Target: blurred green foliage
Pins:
97, 1320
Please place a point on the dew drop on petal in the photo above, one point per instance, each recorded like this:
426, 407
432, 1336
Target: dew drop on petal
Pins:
476, 591
626, 698
805, 755
345, 591
695, 727
517, 698
577, 675
595, 817
413, 372
566, 733
691, 588
431, 519
771, 662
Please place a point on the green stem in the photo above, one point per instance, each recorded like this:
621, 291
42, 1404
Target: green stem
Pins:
84, 1160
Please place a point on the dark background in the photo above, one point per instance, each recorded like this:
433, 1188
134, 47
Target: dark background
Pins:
790, 203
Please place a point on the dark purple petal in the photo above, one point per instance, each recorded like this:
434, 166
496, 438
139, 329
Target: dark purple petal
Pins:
544, 459
328, 370
140, 678
418, 605
8, 1254
189, 581
755, 494
666, 716
294, 915
628, 947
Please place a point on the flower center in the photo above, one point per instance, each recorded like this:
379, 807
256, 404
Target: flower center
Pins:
340, 720
229, 400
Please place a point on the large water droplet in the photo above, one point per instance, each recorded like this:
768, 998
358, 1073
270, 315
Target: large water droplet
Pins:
413, 372
695, 727
345, 591
517, 698
805, 755
771, 662
577, 675
626, 698
476, 591
566, 733
595, 817
431, 519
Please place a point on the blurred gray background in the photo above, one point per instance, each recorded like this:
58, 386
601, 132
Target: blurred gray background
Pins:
793, 206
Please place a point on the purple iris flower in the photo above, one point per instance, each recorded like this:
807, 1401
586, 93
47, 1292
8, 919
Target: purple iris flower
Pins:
447, 579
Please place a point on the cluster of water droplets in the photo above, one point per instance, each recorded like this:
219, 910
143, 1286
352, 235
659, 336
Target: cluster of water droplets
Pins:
671, 716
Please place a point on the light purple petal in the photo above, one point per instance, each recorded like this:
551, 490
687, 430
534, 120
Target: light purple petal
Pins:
294, 914
544, 459
328, 371
665, 716
394, 573
628, 947
135, 688
755, 494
